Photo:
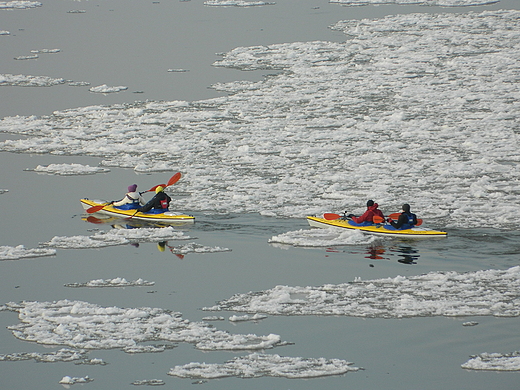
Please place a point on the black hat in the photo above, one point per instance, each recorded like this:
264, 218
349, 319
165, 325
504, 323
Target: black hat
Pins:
370, 203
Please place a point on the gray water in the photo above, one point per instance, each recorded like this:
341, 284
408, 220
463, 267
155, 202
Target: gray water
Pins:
117, 42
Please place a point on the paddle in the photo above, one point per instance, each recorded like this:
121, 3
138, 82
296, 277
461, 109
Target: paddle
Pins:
95, 209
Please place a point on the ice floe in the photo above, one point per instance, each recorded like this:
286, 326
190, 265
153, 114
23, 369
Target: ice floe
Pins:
149, 382
236, 3
20, 252
322, 238
247, 317
196, 248
440, 3
78, 356
69, 169
31, 57
4, 32
494, 362
116, 237
106, 89
328, 130
77, 324
46, 51
3, 191
28, 81
258, 365
115, 282
482, 293
68, 380
19, 4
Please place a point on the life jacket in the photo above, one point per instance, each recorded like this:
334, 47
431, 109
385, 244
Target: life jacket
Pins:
410, 223
134, 201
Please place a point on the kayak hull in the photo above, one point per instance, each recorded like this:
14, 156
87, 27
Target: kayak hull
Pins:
168, 217
378, 229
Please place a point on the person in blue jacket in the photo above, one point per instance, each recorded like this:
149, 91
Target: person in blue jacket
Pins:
407, 219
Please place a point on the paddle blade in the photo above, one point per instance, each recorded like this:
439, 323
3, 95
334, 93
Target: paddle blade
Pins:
95, 209
394, 215
378, 219
419, 222
174, 179
331, 216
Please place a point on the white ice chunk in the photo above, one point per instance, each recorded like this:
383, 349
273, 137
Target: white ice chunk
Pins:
19, 252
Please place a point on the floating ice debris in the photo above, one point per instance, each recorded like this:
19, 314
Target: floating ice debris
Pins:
77, 324
257, 365
246, 317
19, 4
19, 252
4, 32
494, 362
178, 70
46, 51
439, 3
236, 3
470, 323
67, 380
3, 191
28, 81
197, 248
159, 166
106, 89
149, 382
489, 292
62, 355
33, 57
78, 84
322, 238
116, 282
213, 318
76, 11
69, 169
116, 237
148, 348
321, 133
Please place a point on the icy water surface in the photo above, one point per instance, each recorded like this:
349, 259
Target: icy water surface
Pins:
393, 102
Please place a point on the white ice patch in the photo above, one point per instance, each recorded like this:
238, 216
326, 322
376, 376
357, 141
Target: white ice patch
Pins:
322, 238
69, 169
480, 293
439, 3
19, 252
197, 248
255, 317
28, 81
3, 191
236, 3
31, 57
77, 324
106, 89
19, 4
62, 355
494, 362
116, 237
69, 380
258, 365
4, 32
46, 51
149, 382
116, 282
414, 107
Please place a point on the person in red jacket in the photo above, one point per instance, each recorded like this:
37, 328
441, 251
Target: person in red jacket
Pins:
372, 210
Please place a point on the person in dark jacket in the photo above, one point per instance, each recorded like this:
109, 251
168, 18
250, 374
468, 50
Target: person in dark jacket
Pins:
407, 219
372, 210
159, 203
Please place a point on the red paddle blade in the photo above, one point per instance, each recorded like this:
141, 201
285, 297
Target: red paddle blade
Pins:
174, 179
419, 222
331, 216
378, 219
394, 215
93, 219
95, 209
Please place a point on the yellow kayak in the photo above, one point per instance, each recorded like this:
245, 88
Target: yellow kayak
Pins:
168, 217
379, 229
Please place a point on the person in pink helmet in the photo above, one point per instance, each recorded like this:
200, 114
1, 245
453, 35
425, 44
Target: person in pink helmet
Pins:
132, 199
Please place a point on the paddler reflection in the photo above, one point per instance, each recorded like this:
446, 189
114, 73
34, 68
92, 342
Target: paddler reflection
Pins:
161, 246
406, 253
